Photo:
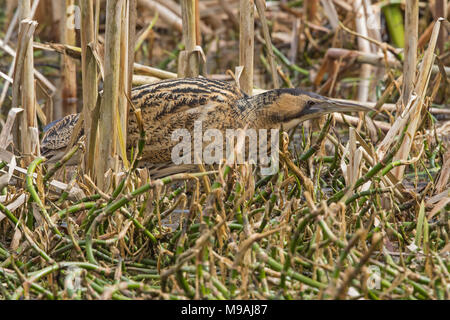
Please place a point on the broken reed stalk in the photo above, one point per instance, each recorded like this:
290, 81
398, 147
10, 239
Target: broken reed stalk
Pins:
246, 45
27, 137
420, 88
189, 58
89, 77
109, 104
372, 171
411, 38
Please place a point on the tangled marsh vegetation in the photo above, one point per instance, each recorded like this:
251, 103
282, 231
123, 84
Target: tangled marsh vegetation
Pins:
358, 208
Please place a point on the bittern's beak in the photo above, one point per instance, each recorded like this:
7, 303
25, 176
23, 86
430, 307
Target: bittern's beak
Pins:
326, 106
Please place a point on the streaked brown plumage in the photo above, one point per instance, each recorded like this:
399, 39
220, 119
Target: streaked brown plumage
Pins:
176, 104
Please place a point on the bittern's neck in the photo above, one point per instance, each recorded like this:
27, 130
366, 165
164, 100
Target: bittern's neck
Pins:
251, 105
265, 99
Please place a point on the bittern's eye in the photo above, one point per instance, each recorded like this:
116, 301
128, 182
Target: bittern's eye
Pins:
309, 103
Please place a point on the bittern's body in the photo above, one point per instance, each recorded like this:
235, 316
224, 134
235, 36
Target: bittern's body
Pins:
176, 104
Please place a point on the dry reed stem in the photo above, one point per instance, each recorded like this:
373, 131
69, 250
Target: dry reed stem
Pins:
172, 5
411, 38
260, 5
167, 15
125, 80
39, 76
68, 85
441, 7
5, 41
414, 114
331, 13
246, 45
154, 72
89, 77
27, 140
8, 128
132, 7
374, 59
109, 105
364, 46
189, 58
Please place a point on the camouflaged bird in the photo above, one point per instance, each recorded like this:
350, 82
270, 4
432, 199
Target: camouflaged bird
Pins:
177, 103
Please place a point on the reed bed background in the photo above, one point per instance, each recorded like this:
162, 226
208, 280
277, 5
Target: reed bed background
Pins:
359, 208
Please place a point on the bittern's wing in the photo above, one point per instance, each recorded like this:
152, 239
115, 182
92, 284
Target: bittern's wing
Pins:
177, 95
176, 104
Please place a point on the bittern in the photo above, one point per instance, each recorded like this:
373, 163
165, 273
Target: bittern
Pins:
178, 103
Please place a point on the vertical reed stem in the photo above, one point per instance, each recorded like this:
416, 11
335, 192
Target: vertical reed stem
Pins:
441, 11
411, 38
189, 58
23, 88
246, 45
68, 66
89, 77
109, 105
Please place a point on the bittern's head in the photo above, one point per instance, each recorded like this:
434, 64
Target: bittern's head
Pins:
289, 107
56, 137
